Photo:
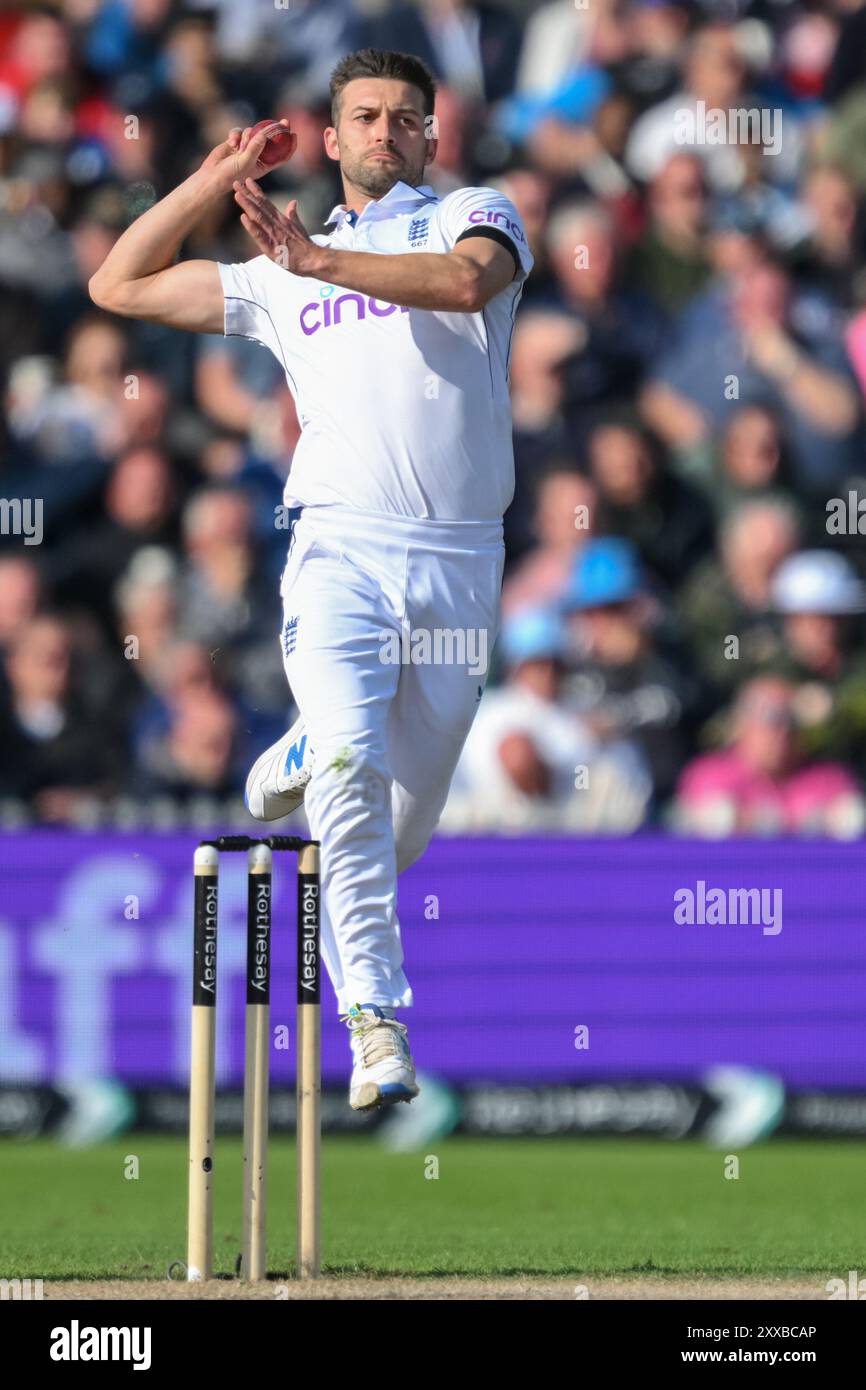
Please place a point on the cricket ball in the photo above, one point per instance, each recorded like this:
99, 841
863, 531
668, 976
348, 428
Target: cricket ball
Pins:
279, 147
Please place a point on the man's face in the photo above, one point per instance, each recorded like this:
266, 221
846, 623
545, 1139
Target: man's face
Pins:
380, 136
620, 464
610, 633
765, 735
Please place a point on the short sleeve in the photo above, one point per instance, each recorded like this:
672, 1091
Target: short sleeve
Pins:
486, 211
248, 314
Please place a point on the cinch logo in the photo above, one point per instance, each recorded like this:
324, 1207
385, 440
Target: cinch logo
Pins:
498, 219
329, 312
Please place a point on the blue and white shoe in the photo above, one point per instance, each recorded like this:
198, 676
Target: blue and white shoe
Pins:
278, 779
384, 1072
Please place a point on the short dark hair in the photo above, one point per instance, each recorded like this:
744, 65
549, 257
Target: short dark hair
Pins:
382, 62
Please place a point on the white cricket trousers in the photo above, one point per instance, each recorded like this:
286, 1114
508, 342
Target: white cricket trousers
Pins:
388, 627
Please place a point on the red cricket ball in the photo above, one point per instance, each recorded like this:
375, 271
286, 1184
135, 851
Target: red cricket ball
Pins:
279, 147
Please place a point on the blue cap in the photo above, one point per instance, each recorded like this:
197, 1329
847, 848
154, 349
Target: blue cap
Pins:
604, 571
536, 634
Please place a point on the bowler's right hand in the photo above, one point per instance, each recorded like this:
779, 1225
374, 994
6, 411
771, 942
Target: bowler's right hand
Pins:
239, 157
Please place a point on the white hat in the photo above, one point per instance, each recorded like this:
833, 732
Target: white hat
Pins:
817, 581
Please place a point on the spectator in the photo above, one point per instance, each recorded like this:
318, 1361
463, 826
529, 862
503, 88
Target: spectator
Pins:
20, 594
226, 599
219, 577
556, 42
56, 751
564, 519
265, 44
640, 499
842, 137
562, 112
848, 63
528, 762
726, 607
48, 112
473, 47
619, 685
715, 74
189, 61
826, 260
145, 410
629, 60
621, 330
750, 466
70, 423
651, 70
739, 342
181, 673
820, 598
761, 784
146, 605
39, 50
139, 501
93, 232
126, 39
542, 343
196, 755
669, 263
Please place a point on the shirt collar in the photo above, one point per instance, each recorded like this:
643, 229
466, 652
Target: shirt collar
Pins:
402, 194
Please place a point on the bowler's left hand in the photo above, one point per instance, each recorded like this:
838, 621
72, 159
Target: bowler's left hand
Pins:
280, 236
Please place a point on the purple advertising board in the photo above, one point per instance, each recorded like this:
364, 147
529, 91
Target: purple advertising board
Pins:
533, 961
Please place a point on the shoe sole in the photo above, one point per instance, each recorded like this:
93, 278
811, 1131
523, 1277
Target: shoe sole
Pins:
370, 1096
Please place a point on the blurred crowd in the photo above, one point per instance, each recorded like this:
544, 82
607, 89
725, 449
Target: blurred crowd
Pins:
684, 597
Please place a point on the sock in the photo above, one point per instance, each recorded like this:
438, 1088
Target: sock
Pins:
383, 1009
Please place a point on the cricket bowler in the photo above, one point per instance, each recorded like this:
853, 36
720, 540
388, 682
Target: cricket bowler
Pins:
394, 329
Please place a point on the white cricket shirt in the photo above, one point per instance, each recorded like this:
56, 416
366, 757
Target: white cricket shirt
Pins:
403, 411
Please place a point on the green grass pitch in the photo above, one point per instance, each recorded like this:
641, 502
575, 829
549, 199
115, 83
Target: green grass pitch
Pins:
498, 1207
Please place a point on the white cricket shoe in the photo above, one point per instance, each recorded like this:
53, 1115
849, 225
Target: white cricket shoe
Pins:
278, 779
384, 1072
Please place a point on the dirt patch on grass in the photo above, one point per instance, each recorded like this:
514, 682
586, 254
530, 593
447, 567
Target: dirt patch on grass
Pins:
453, 1288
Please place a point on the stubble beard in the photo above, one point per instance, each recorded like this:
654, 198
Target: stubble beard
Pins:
376, 177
